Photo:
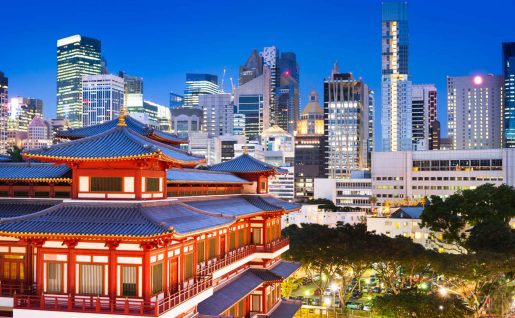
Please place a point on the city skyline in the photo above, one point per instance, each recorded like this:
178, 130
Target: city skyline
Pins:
143, 51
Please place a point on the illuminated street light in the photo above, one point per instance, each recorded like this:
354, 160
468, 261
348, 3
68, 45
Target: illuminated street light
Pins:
327, 301
440, 307
334, 287
443, 291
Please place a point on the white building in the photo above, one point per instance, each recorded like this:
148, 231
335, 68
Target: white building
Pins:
201, 144
423, 108
283, 185
102, 98
353, 193
39, 134
224, 147
474, 111
311, 214
398, 176
218, 115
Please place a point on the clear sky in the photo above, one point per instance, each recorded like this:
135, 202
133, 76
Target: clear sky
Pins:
163, 40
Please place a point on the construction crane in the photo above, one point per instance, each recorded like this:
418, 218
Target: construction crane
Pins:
223, 80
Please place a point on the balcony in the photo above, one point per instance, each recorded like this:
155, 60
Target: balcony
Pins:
105, 305
276, 245
8, 290
229, 259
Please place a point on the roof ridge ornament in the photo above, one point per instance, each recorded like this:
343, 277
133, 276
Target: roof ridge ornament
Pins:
245, 150
121, 118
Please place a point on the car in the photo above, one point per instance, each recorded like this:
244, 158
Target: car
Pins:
376, 289
357, 294
364, 289
328, 292
367, 307
353, 305
317, 292
315, 302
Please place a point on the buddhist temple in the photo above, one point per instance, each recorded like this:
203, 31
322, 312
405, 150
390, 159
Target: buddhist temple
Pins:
119, 221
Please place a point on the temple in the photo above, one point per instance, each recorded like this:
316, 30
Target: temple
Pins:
118, 221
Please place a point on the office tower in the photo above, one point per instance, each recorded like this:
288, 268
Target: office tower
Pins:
309, 150
508, 68
186, 120
423, 116
474, 108
252, 100
39, 133
395, 86
346, 124
252, 68
239, 123
157, 115
218, 114
176, 100
23, 109
371, 121
4, 111
133, 92
287, 92
102, 98
76, 56
199, 84
270, 55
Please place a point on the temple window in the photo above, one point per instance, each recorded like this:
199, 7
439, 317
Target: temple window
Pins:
212, 248
256, 303
13, 268
91, 279
256, 235
106, 184
129, 279
232, 241
157, 278
152, 184
241, 237
54, 277
201, 249
188, 266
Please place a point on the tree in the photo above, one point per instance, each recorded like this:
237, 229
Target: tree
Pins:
15, 153
289, 285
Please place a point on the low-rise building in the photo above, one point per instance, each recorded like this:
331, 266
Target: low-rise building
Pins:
353, 193
312, 214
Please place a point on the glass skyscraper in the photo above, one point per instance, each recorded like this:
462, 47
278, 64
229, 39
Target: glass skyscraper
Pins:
287, 92
102, 98
133, 92
508, 51
76, 56
4, 111
199, 84
395, 86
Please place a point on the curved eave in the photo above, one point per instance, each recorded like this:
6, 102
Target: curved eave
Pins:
92, 237
67, 180
167, 141
206, 182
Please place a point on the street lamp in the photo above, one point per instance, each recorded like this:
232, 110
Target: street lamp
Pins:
327, 303
443, 291
440, 307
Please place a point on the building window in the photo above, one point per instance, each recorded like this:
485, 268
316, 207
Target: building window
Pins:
91, 278
232, 241
241, 237
201, 249
188, 266
212, 248
157, 278
256, 303
256, 235
152, 184
55, 277
129, 279
106, 184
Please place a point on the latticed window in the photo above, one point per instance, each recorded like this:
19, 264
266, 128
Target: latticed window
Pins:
129, 279
256, 235
201, 248
212, 248
152, 184
188, 266
54, 277
91, 278
256, 303
157, 278
106, 184
232, 240
241, 237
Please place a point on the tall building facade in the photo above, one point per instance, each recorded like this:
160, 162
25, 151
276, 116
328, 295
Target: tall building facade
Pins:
199, 84
24, 109
133, 92
346, 124
186, 120
39, 134
218, 110
102, 98
395, 86
508, 67
309, 150
474, 110
286, 112
176, 100
76, 56
423, 116
4, 111
252, 68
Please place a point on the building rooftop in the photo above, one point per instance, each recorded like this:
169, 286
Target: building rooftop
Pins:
247, 164
18, 207
29, 171
132, 123
202, 176
407, 212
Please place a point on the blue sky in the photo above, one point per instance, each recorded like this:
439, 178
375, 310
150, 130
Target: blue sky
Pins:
163, 40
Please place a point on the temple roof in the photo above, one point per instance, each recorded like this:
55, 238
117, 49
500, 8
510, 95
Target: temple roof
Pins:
246, 164
118, 143
5, 158
231, 206
286, 309
287, 206
18, 207
202, 176
284, 269
33, 172
132, 123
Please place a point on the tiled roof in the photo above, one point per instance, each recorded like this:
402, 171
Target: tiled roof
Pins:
5, 158
408, 212
34, 171
246, 163
265, 275
132, 123
286, 309
18, 207
119, 142
284, 269
288, 206
202, 176
231, 206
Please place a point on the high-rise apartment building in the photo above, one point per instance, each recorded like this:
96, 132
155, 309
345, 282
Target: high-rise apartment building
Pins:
508, 67
218, 110
474, 110
346, 124
423, 116
4, 111
133, 92
77, 56
102, 98
199, 84
395, 86
309, 150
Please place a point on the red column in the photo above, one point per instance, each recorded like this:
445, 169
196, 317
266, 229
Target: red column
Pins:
137, 184
71, 266
166, 271
147, 292
29, 264
75, 182
39, 268
112, 269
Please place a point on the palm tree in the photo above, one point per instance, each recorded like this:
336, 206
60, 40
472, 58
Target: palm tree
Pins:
15, 153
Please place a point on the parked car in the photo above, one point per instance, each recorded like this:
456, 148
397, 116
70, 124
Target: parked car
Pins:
317, 292
328, 292
357, 294
364, 289
367, 307
376, 289
353, 305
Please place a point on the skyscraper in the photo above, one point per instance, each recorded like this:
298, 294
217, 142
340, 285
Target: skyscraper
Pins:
423, 110
346, 124
218, 110
508, 67
252, 68
133, 92
199, 84
4, 111
76, 56
176, 100
286, 112
474, 106
102, 98
24, 109
395, 88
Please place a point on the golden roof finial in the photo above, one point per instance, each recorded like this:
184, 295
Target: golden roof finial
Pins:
245, 150
121, 118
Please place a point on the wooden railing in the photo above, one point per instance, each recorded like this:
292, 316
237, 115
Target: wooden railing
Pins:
105, 305
276, 245
227, 260
8, 290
